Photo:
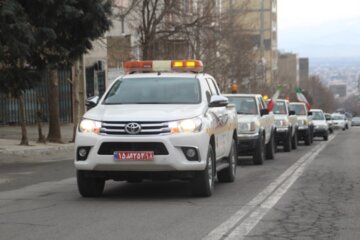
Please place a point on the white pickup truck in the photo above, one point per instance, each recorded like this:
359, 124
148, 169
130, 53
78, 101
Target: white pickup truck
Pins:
163, 120
256, 134
286, 125
305, 124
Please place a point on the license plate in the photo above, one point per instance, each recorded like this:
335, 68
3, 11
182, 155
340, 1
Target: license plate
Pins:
134, 156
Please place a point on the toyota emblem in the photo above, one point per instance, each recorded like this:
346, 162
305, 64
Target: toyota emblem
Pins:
132, 128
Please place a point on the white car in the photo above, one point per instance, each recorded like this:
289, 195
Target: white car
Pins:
256, 131
321, 127
162, 121
339, 121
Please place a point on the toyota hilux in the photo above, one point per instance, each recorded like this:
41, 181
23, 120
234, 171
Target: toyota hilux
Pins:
162, 120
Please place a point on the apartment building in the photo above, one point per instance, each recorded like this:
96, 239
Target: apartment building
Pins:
288, 71
259, 19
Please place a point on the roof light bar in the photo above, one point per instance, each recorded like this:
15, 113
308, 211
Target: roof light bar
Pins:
164, 66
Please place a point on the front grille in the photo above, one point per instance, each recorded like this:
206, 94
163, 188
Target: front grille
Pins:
108, 148
147, 128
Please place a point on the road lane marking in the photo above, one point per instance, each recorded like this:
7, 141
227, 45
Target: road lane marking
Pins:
246, 218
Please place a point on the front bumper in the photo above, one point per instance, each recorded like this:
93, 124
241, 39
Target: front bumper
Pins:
281, 134
247, 143
172, 160
320, 132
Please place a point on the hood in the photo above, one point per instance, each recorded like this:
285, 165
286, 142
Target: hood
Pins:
302, 117
319, 122
246, 118
280, 116
144, 112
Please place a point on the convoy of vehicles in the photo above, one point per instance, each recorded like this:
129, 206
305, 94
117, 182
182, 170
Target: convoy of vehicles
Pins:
256, 132
166, 120
163, 120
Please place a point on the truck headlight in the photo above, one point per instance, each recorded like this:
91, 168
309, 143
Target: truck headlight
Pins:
186, 126
281, 123
302, 122
89, 126
247, 127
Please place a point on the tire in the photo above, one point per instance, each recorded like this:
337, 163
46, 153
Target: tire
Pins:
270, 148
287, 142
344, 129
347, 126
89, 186
294, 140
308, 138
326, 136
259, 152
203, 181
312, 135
228, 174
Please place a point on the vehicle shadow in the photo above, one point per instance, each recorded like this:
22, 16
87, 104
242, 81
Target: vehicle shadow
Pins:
147, 190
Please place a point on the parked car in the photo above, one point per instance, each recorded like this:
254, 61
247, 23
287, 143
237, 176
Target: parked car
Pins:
256, 130
321, 128
305, 124
330, 122
339, 121
355, 121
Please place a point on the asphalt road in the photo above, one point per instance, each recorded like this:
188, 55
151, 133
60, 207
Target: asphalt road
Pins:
310, 193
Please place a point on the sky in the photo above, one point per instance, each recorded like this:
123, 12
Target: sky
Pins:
319, 28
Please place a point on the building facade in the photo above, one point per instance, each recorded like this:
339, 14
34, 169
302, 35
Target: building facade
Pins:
288, 71
259, 19
304, 72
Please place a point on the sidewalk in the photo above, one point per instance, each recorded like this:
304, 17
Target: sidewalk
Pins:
12, 152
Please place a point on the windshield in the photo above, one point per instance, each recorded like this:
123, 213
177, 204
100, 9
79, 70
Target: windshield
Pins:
298, 108
338, 117
318, 116
244, 105
154, 91
280, 108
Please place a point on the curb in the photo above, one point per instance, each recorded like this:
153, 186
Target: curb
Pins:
37, 154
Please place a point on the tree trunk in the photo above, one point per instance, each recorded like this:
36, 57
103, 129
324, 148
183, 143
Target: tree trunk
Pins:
75, 90
54, 115
24, 137
39, 114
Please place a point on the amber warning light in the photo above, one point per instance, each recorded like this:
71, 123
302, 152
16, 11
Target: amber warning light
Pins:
195, 66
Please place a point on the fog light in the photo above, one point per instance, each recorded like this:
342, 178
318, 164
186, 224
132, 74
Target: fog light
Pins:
190, 153
82, 153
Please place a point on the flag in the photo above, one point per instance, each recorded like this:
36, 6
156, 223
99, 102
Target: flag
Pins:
301, 98
273, 99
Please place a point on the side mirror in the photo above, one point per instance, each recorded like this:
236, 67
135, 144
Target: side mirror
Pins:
309, 113
292, 112
92, 102
218, 101
264, 112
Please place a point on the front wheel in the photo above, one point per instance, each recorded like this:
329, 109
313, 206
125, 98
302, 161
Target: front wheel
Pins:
203, 181
228, 174
287, 142
270, 148
89, 186
294, 140
259, 152
308, 138
326, 136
